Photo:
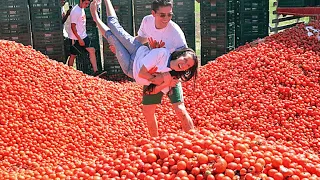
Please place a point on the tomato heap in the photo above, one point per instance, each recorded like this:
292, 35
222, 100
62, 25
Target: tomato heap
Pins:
256, 110
271, 89
208, 155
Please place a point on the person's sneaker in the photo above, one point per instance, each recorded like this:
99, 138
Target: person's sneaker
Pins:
99, 73
95, 74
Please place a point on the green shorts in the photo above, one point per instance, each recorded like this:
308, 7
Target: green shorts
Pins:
175, 95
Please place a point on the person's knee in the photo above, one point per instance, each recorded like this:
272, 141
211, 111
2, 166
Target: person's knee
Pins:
145, 111
179, 108
111, 20
91, 50
148, 109
71, 60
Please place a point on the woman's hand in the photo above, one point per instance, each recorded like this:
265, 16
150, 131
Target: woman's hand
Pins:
167, 83
173, 82
164, 78
170, 81
161, 78
157, 79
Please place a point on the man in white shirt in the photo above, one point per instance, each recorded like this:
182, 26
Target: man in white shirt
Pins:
160, 27
79, 35
163, 32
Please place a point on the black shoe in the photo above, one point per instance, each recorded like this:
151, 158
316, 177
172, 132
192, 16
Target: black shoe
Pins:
99, 73
95, 74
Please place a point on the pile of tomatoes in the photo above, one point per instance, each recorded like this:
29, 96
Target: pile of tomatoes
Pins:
256, 110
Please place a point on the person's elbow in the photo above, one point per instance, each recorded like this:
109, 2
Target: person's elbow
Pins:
142, 74
73, 27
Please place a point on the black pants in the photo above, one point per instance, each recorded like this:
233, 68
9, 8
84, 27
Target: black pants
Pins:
67, 47
76, 48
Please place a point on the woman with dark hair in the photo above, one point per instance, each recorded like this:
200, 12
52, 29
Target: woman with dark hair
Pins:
182, 75
158, 69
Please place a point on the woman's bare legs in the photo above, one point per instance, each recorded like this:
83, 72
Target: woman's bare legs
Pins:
109, 8
127, 40
103, 28
122, 54
152, 123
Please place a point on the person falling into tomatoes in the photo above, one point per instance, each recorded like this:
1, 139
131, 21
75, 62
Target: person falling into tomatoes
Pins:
158, 69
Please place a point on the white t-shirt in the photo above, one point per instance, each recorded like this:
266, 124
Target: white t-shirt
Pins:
67, 24
171, 35
78, 16
158, 57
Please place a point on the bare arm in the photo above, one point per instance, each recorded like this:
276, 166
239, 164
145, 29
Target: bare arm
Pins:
143, 40
161, 80
167, 83
154, 78
158, 88
74, 30
145, 74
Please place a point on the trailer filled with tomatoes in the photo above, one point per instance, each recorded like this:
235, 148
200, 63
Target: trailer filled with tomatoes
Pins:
256, 111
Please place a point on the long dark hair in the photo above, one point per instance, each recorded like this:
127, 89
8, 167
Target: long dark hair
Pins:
186, 75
